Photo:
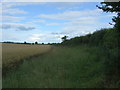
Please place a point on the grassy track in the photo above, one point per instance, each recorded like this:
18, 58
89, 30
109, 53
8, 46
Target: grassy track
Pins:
63, 67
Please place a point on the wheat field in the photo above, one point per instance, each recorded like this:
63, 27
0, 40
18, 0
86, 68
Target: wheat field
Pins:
12, 53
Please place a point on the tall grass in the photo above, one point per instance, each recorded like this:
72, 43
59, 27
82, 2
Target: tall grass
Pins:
63, 67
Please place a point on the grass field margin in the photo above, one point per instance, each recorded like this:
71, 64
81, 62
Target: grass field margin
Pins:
0, 65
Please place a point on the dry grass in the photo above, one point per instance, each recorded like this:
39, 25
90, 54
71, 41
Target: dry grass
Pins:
15, 52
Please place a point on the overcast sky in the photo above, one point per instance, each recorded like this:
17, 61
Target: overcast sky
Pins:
48, 22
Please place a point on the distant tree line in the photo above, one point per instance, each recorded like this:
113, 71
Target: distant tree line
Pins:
22, 43
35, 43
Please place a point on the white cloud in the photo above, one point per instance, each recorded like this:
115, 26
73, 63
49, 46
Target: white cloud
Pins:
39, 21
10, 37
53, 24
13, 4
45, 37
0, 8
7, 8
71, 15
79, 30
46, 23
53, 1
82, 21
79, 22
17, 26
12, 18
111, 0
13, 11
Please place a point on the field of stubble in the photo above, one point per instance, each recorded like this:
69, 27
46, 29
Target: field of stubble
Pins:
12, 53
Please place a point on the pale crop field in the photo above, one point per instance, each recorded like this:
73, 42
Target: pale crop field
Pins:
12, 53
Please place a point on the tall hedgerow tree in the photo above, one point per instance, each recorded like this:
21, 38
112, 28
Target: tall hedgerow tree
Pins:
64, 38
113, 7
113, 65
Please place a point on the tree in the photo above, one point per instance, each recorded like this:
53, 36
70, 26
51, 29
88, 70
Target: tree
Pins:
112, 7
113, 65
25, 42
48, 43
32, 43
36, 42
64, 38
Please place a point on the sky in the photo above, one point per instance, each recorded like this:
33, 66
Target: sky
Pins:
48, 22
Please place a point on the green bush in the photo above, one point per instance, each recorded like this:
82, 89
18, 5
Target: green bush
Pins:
110, 39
